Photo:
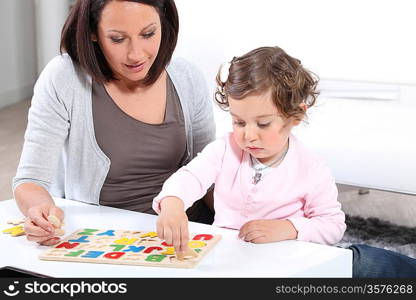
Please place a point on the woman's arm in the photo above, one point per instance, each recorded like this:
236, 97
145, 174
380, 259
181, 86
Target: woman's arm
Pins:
47, 129
28, 195
37, 204
202, 118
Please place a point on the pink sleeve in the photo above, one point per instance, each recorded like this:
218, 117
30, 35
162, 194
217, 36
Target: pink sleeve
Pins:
192, 181
323, 221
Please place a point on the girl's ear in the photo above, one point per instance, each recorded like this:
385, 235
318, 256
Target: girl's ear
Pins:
303, 106
94, 37
296, 122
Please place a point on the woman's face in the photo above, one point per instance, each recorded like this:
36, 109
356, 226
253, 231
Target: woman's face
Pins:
129, 35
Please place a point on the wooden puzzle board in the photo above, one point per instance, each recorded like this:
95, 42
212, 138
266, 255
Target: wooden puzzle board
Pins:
126, 247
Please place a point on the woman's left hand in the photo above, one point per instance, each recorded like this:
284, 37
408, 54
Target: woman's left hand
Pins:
267, 231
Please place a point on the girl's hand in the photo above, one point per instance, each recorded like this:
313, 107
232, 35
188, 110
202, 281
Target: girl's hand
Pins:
172, 224
38, 228
267, 231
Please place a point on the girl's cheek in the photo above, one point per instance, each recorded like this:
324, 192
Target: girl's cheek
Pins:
237, 134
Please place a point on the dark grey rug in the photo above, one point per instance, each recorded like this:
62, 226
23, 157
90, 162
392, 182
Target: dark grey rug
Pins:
379, 233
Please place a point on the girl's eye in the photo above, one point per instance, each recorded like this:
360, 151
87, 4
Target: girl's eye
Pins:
239, 123
263, 125
117, 40
148, 35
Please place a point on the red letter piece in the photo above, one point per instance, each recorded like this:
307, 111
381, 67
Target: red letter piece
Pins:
150, 249
166, 244
204, 237
67, 245
114, 255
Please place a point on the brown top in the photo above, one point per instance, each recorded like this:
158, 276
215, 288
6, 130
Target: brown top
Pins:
142, 155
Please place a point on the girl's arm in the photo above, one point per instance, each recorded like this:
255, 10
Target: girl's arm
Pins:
323, 221
192, 181
184, 187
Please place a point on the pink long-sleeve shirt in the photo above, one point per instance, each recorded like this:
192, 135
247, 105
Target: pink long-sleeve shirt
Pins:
301, 189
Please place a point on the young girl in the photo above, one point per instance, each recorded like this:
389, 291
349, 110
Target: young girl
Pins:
267, 184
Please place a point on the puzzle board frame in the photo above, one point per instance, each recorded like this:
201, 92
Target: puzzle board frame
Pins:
126, 247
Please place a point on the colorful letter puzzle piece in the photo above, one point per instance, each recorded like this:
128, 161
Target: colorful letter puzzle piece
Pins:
15, 231
127, 248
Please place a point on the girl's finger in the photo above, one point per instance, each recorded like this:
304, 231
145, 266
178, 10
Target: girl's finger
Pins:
253, 235
184, 236
159, 230
176, 238
167, 233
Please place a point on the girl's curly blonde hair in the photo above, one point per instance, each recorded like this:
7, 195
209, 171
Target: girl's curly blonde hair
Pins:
269, 69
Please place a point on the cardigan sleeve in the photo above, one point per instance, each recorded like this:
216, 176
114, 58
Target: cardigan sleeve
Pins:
47, 128
323, 221
202, 116
192, 181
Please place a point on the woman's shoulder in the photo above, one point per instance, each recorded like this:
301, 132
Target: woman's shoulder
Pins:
61, 70
182, 70
180, 64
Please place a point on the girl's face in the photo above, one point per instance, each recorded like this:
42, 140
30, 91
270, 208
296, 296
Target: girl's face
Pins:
129, 35
259, 128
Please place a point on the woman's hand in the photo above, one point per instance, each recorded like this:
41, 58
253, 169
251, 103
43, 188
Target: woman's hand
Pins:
172, 224
38, 228
267, 231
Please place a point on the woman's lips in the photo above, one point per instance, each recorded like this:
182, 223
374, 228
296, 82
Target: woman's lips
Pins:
135, 68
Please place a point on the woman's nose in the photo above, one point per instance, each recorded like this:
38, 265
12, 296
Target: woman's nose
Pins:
135, 51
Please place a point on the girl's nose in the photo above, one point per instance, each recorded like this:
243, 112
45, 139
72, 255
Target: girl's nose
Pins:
250, 133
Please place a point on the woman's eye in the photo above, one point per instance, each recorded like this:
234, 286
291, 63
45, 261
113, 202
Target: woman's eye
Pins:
263, 125
148, 35
117, 40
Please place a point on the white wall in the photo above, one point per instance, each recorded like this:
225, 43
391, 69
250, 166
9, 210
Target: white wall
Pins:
365, 40
363, 51
30, 31
50, 18
17, 50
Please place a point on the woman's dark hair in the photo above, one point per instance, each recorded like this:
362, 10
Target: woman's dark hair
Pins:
82, 23
269, 69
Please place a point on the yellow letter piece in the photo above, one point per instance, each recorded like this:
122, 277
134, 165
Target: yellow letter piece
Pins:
15, 231
169, 251
196, 244
125, 241
149, 234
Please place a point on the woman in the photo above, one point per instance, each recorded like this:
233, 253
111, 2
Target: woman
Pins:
110, 119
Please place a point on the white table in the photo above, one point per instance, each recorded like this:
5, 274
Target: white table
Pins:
231, 257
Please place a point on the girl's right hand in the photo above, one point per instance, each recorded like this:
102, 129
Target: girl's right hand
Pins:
172, 224
38, 228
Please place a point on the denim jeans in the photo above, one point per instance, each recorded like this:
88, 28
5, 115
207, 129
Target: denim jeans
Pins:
372, 262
